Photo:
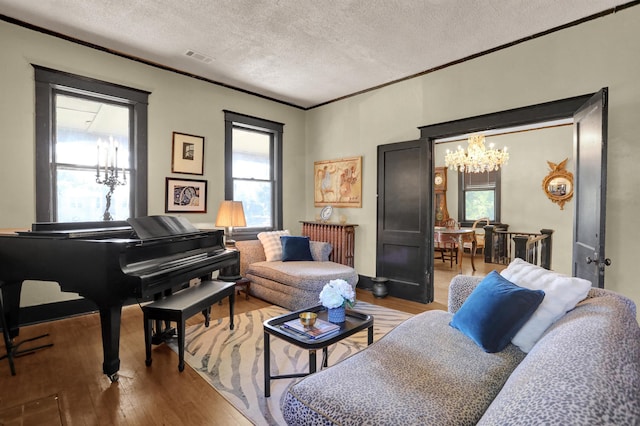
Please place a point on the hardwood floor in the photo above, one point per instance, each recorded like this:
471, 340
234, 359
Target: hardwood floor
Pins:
70, 372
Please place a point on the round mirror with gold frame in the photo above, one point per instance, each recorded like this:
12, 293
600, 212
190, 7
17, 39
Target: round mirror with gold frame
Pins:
558, 184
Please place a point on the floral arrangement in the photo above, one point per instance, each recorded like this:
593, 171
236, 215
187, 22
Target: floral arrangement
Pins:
337, 293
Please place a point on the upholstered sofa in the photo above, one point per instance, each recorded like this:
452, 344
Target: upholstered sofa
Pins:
583, 370
292, 284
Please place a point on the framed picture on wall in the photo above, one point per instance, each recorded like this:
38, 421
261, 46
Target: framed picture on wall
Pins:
338, 183
187, 154
186, 196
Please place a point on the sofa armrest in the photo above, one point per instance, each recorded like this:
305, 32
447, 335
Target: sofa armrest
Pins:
460, 288
251, 251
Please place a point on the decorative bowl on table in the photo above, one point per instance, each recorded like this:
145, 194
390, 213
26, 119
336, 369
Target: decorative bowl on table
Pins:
308, 319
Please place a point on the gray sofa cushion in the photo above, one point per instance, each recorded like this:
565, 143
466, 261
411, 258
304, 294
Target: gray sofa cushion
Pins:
585, 370
320, 250
251, 251
305, 275
423, 372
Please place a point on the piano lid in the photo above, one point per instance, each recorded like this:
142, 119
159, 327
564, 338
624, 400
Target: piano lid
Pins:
148, 227
144, 228
69, 230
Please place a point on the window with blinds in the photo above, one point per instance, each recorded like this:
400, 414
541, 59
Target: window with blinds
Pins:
479, 196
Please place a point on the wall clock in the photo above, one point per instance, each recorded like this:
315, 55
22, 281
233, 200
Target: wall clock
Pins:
440, 179
440, 192
442, 214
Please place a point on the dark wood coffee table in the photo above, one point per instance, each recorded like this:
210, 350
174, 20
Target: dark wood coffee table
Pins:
355, 322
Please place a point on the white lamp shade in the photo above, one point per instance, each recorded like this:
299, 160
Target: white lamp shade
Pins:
231, 214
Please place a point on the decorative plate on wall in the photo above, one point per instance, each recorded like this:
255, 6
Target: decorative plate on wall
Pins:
326, 212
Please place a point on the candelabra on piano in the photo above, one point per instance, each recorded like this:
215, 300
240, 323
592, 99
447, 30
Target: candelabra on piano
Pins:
108, 166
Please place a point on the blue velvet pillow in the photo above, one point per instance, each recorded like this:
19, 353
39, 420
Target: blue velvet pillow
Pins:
495, 311
295, 248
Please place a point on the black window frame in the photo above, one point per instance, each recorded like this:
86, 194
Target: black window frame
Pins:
276, 132
48, 83
463, 188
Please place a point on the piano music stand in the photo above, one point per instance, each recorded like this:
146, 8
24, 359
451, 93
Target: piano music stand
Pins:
11, 348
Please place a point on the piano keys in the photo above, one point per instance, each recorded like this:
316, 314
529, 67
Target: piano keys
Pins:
108, 263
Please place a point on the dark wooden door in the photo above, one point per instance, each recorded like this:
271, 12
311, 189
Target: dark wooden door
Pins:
404, 255
590, 154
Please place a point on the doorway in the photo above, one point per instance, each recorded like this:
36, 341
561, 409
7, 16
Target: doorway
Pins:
413, 235
522, 205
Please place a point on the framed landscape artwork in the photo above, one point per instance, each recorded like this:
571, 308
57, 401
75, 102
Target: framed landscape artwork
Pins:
338, 183
187, 155
186, 196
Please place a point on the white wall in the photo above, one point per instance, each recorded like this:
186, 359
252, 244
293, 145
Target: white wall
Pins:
176, 103
571, 62
574, 61
524, 205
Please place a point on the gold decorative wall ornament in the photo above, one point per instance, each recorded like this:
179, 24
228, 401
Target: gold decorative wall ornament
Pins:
558, 184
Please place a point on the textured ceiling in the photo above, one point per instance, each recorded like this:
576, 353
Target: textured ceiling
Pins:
302, 52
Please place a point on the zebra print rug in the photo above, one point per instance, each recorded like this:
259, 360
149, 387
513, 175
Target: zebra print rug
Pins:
232, 360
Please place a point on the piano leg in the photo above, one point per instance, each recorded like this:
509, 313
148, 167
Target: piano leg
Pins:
11, 300
10, 312
110, 318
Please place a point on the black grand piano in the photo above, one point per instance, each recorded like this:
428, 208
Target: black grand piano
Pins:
108, 263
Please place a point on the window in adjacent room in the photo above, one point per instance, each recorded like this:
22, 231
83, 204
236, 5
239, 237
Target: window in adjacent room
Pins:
88, 132
479, 196
253, 170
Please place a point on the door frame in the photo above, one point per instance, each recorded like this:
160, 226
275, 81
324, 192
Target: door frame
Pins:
548, 111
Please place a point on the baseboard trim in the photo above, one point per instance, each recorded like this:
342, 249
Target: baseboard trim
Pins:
37, 314
364, 282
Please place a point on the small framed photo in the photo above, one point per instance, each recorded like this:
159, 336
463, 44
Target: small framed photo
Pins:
186, 196
188, 154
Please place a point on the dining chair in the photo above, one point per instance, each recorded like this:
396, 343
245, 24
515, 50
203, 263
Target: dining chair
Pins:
451, 223
478, 235
448, 251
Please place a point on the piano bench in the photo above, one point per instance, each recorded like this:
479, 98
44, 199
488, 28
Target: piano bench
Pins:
182, 305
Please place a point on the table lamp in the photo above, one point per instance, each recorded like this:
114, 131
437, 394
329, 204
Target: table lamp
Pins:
230, 215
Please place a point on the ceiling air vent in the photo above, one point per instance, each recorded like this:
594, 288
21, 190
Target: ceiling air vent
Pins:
198, 56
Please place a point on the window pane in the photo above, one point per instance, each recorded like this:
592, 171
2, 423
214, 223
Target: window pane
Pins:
80, 123
256, 202
479, 204
73, 112
81, 199
90, 134
253, 175
251, 156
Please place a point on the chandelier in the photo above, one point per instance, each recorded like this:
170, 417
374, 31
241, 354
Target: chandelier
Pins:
478, 158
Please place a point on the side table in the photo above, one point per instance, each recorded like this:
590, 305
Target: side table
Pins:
355, 322
243, 284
